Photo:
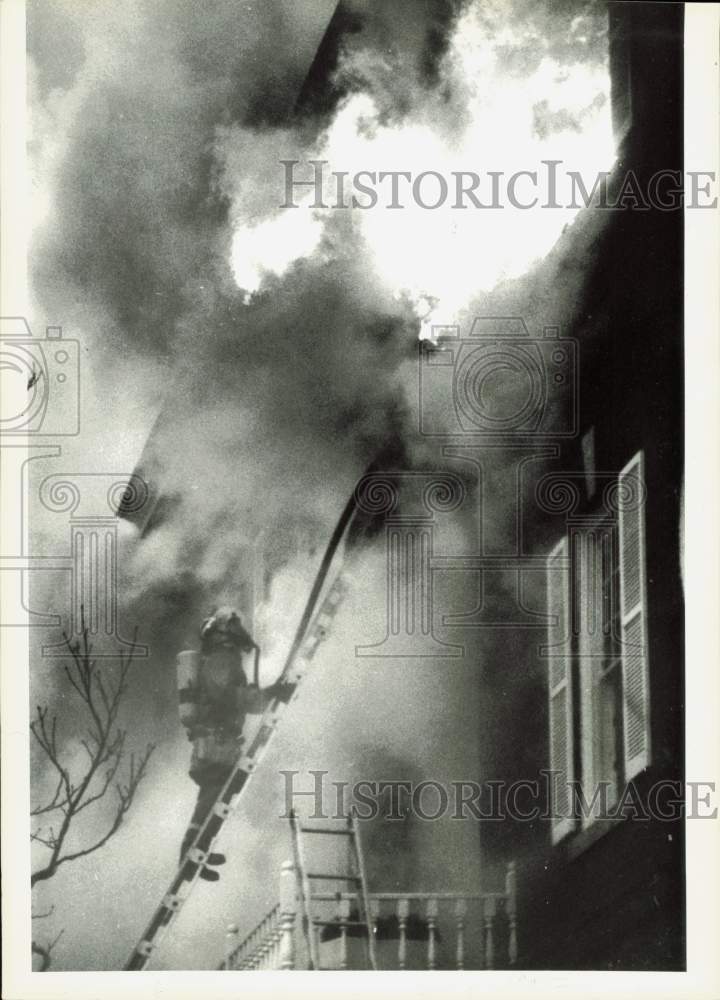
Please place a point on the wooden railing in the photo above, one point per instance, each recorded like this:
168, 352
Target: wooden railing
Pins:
271, 943
412, 930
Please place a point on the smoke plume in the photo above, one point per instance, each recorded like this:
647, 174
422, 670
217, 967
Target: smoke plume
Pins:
271, 354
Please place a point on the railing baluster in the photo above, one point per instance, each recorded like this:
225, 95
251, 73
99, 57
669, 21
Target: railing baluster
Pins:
246, 953
261, 943
288, 912
460, 912
431, 915
273, 942
403, 911
511, 906
230, 944
279, 942
489, 913
277, 933
343, 916
374, 916
265, 948
252, 947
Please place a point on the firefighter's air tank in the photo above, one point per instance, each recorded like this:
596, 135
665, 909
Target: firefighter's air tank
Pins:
188, 679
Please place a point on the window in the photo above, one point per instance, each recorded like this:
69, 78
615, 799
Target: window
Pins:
597, 670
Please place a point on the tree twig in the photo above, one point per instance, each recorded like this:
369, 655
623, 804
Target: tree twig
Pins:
105, 750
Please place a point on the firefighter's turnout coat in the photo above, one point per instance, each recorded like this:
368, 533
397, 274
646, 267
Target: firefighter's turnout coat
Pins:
214, 699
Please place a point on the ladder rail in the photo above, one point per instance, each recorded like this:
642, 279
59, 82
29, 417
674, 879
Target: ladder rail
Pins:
186, 876
190, 866
360, 860
305, 892
307, 895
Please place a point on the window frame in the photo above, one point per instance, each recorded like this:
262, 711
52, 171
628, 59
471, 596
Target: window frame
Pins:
622, 518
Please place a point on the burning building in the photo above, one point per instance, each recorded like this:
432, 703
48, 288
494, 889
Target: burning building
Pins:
504, 404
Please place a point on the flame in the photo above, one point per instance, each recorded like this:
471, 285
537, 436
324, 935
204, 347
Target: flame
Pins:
272, 246
440, 258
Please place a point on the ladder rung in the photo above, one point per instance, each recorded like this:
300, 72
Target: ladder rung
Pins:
317, 619
337, 833
334, 878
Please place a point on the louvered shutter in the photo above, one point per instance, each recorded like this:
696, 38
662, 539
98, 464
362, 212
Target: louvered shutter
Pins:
592, 569
585, 551
560, 691
633, 618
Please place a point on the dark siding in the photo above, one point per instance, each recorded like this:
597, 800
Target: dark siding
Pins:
619, 903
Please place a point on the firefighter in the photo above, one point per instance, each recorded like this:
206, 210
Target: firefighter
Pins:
215, 697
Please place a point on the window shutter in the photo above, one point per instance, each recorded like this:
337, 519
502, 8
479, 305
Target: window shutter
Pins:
560, 691
592, 564
587, 567
633, 617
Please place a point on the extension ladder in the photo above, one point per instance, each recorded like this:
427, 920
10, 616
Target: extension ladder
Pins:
296, 667
356, 878
310, 633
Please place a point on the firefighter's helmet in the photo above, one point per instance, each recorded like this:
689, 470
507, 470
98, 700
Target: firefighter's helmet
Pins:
222, 627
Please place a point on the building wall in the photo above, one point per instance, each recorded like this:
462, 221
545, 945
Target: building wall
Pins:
616, 900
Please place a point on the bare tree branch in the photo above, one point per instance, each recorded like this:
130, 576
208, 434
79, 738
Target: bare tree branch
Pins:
104, 746
45, 951
54, 802
125, 793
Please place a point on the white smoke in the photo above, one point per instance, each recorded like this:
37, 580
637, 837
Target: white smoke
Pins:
485, 114
287, 335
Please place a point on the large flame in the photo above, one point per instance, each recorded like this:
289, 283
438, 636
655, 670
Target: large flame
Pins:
503, 115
